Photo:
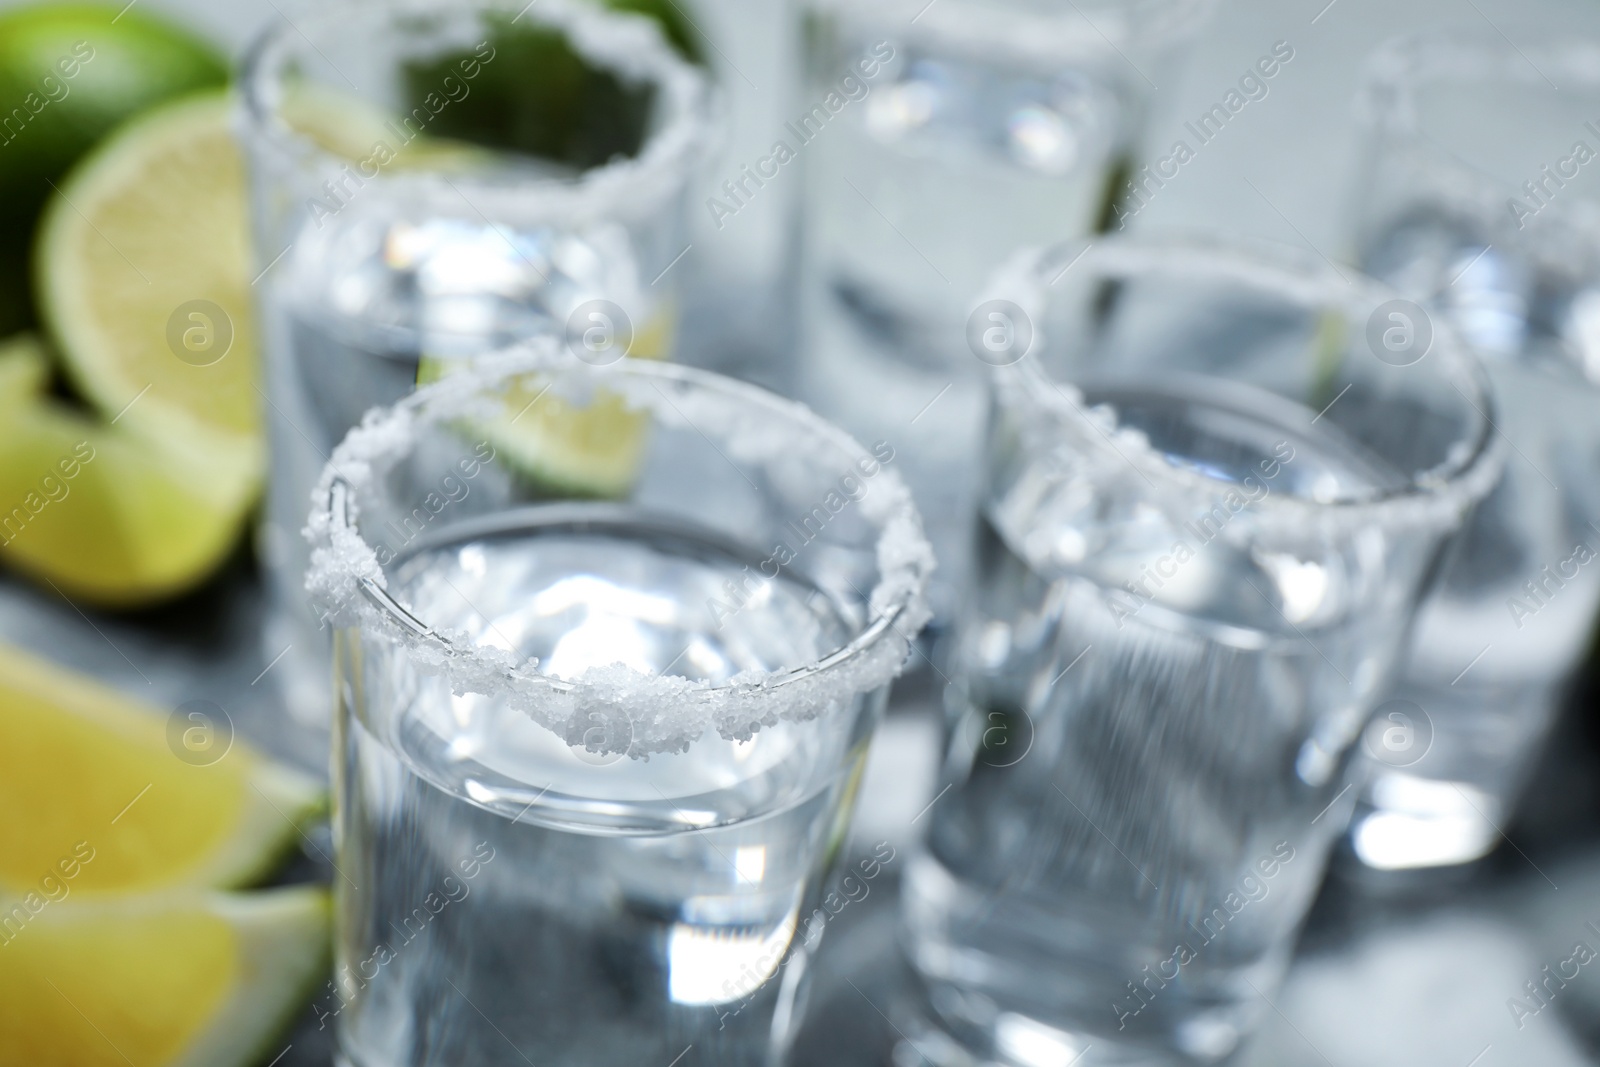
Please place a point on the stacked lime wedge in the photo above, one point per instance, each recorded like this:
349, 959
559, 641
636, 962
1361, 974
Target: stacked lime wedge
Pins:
117, 943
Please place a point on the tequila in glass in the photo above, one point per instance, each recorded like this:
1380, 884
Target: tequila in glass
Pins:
937, 141
1195, 571
422, 194
595, 756
1512, 262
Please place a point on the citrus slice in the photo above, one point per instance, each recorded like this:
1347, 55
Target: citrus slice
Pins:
120, 796
348, 125
105, 515
24, 369
203, 979
144, 282
591, 450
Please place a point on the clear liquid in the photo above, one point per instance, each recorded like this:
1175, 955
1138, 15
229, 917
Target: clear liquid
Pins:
919, 191
1490, 655
1124, 783
629, 908
351, 313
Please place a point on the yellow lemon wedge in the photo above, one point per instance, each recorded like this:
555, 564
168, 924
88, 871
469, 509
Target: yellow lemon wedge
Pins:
105, 794
186, 980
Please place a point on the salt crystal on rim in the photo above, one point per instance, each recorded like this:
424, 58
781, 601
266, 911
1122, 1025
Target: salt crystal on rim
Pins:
639, 714
626, 43
1090, 443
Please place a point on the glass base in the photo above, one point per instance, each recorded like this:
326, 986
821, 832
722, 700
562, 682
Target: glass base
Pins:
1409, 823
1444, 767
1011, 1039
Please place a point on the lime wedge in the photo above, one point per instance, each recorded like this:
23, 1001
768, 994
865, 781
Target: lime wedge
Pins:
120, 796
189, 980
104, 515
24, 369
349, 126
591, 451
144, 280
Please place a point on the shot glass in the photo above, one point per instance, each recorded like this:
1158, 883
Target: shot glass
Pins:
1210, 507
600, 723
432, 179
936, 140
1476, 199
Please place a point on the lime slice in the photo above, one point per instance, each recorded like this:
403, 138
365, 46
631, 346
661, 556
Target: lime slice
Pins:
1329, 347
144, 282
591, 451
104, 515
584, 451
126, 797
24, 369
69, 74
350, 126
191, 980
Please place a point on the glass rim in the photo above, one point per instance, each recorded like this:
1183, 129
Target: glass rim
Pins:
625, 43
1400, 65
965, 26
346, 576
1436, 497
1400, 153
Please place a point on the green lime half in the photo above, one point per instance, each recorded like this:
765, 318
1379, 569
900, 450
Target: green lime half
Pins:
69, 74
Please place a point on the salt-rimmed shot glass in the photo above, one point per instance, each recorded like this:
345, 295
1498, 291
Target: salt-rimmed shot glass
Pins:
432, 179
1477, 198
1210, 508
937, 138
611, 642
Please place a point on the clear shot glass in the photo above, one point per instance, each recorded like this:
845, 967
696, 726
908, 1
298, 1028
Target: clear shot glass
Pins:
1210, 507
432, 179
1477, 200
600, 720
936, 140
